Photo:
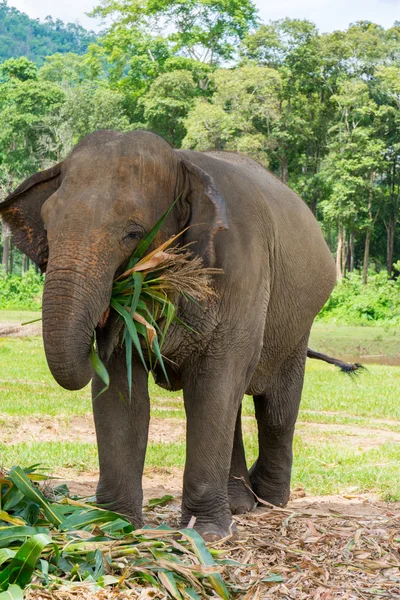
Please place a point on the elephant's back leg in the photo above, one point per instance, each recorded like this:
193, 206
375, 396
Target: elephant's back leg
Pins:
241, 498
276, 413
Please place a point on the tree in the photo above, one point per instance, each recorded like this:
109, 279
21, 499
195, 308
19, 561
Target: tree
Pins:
168, 102
355, 157
242, 111
205, 30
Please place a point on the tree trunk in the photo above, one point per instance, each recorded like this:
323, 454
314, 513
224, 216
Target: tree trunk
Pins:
313, 205
339, 254
390, 230
11, 268
6, 247
366, 256
344, 252
369, 230
25, 264
284, 169
351, 251
329, 240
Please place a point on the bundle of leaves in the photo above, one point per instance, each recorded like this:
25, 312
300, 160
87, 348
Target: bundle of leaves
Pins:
147, 294
52, 543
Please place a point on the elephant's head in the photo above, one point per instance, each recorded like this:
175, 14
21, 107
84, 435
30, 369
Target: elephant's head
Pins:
81, 220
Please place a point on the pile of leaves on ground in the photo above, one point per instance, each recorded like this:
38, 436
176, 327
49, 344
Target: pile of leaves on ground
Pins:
61, 542
65, 549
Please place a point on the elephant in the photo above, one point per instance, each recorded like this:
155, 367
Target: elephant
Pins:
81, 220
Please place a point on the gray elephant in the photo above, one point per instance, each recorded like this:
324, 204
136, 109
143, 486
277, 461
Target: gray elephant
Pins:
81, 220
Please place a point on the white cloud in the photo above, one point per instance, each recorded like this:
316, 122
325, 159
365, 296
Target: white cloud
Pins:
327, 14
71, 11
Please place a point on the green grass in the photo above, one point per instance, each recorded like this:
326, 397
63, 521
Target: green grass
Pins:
354, 341
361, 454
21, 316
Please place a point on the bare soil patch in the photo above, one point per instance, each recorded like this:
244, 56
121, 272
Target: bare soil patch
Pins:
18, 330
14, 430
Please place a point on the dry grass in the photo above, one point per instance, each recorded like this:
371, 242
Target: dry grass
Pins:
296, 555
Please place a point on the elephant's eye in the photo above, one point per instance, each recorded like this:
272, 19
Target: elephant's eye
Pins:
135, 232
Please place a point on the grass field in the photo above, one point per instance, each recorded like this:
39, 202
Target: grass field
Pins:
348, 433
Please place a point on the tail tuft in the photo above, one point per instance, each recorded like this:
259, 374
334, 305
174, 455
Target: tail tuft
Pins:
348, 368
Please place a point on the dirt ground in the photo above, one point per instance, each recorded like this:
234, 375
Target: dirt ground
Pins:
320, 548
18, 330
323, 548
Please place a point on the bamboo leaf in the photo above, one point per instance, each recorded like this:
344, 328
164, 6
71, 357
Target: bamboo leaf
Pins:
168, 580
157, 352
90, 517
150, 330
4, 516
14, 592
9, 535
99, 367
146, 242
20, 570
131, 328
22, 482
6, 554
204, 556
159, 501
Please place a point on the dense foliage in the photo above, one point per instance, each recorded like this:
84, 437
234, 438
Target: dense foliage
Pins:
22, 36
357, 304
322, 111
21, 291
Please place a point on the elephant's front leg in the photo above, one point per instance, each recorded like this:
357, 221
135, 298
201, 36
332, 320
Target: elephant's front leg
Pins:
212, 392
122, 429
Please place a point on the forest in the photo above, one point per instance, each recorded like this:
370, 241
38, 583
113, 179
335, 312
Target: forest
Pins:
22, 36
320, 110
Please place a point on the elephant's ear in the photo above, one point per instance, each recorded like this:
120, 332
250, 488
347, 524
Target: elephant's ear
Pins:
202, 209
21, 211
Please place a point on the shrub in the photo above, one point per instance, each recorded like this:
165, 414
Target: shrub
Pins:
21, 291
354, 303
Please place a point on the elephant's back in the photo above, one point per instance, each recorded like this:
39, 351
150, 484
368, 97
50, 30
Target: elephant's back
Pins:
277, 230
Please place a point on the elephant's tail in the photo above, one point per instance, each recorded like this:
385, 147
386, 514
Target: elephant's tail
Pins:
349, 368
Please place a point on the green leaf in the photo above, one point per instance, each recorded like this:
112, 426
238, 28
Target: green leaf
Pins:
131, 328
157, 352
146, 242
105, 580
168, 580
273, 578
6, 554
14, 592
22, 565
159, 501
204, 556
22, 482
99, 367
90, 517
193, 595
8, 535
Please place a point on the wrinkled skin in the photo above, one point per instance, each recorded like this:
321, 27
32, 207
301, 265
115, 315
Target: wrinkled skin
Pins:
81, 220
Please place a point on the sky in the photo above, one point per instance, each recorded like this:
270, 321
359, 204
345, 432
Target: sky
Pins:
327, 14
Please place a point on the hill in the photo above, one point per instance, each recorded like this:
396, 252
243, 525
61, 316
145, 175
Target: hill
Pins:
22, 36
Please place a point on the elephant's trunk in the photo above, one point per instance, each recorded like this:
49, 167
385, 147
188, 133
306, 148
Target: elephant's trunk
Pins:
74, 299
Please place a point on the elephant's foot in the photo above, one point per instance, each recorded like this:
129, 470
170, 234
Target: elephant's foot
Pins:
273, 491
131, 510
213, 531
211, 517
241, 499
